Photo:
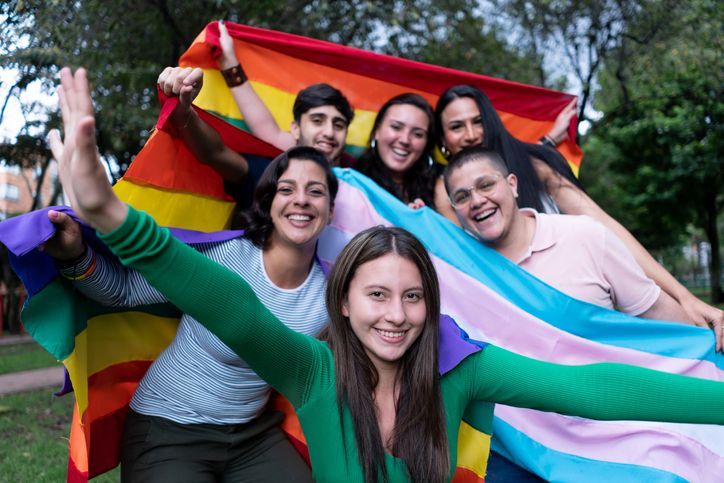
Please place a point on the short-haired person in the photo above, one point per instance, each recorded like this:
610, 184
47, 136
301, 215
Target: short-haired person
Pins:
321, 112
574, 254
370, 398
465, 117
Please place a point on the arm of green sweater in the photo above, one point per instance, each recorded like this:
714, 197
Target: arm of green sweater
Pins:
604, 391
220, 300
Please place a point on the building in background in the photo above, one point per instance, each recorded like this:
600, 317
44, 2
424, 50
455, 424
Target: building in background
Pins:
19, 187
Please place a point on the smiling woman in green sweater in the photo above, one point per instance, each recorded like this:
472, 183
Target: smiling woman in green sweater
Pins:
373, 385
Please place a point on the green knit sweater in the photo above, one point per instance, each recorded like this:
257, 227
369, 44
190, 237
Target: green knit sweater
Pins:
302, 368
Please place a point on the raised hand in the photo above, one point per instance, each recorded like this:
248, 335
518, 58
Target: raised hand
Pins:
79, 166
182, 82
559, 131
228, 58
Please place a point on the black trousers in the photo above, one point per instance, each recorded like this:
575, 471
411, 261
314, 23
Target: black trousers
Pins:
159, 450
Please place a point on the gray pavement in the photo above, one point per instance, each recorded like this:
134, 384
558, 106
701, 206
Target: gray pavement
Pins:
15, 339
28, 380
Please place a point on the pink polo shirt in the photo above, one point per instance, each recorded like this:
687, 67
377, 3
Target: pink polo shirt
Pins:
583, 259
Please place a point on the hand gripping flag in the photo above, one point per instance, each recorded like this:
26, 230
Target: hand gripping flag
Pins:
490, 298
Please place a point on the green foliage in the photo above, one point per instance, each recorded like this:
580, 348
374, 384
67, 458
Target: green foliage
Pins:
578, 37
662, 129
126, 44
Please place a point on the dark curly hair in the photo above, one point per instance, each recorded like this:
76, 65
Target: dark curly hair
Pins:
257, 221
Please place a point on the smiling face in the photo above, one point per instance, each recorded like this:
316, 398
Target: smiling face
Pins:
491, 209
462, 125
401, 138
386, 308
323, 128
301, 207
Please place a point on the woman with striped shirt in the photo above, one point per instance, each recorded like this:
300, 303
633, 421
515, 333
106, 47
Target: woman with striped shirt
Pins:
199, 412
370, 398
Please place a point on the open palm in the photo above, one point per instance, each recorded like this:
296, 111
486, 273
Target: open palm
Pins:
80, 170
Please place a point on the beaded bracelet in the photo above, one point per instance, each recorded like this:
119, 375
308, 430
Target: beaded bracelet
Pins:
74, 264
234, 76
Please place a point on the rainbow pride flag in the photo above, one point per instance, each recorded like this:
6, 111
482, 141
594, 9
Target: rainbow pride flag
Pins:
106, 353
490, 298
279, 65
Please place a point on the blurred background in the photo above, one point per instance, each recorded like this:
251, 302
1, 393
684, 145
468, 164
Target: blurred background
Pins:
648, 75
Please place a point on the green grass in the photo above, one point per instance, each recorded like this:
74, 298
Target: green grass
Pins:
34, 428
24, 357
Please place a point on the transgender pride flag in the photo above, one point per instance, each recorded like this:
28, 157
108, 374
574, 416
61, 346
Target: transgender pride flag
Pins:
495, 301
107, 351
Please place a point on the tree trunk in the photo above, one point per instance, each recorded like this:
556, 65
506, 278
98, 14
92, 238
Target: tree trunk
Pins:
712, 235
12, 283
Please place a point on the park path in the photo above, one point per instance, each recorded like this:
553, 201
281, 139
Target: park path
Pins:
15, 382
28, 380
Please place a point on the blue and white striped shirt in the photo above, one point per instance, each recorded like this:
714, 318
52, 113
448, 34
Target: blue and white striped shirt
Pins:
198, 379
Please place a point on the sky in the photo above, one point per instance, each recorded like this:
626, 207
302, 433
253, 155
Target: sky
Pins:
13, 120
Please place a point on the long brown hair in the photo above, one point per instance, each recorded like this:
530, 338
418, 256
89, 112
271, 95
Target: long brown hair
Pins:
419, 437
419, 180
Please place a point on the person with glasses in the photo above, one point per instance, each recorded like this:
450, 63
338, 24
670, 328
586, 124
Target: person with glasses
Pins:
575, 254
465, 117
370, 397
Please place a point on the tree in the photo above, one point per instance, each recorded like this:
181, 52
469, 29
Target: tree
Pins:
663, 112
125, 45
581, 36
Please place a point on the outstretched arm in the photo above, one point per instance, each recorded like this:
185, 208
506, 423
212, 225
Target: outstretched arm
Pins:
605, 391
208, 292
571, 200
201, 139
256, 114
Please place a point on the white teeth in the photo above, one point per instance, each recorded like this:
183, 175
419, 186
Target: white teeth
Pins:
390, 334
299, 217
485, 214
400, 152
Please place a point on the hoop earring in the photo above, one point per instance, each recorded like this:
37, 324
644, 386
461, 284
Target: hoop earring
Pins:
444, 151
430, 161
373, 144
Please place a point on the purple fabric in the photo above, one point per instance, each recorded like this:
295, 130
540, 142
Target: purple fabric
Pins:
67, 384
24, 233
454, 344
